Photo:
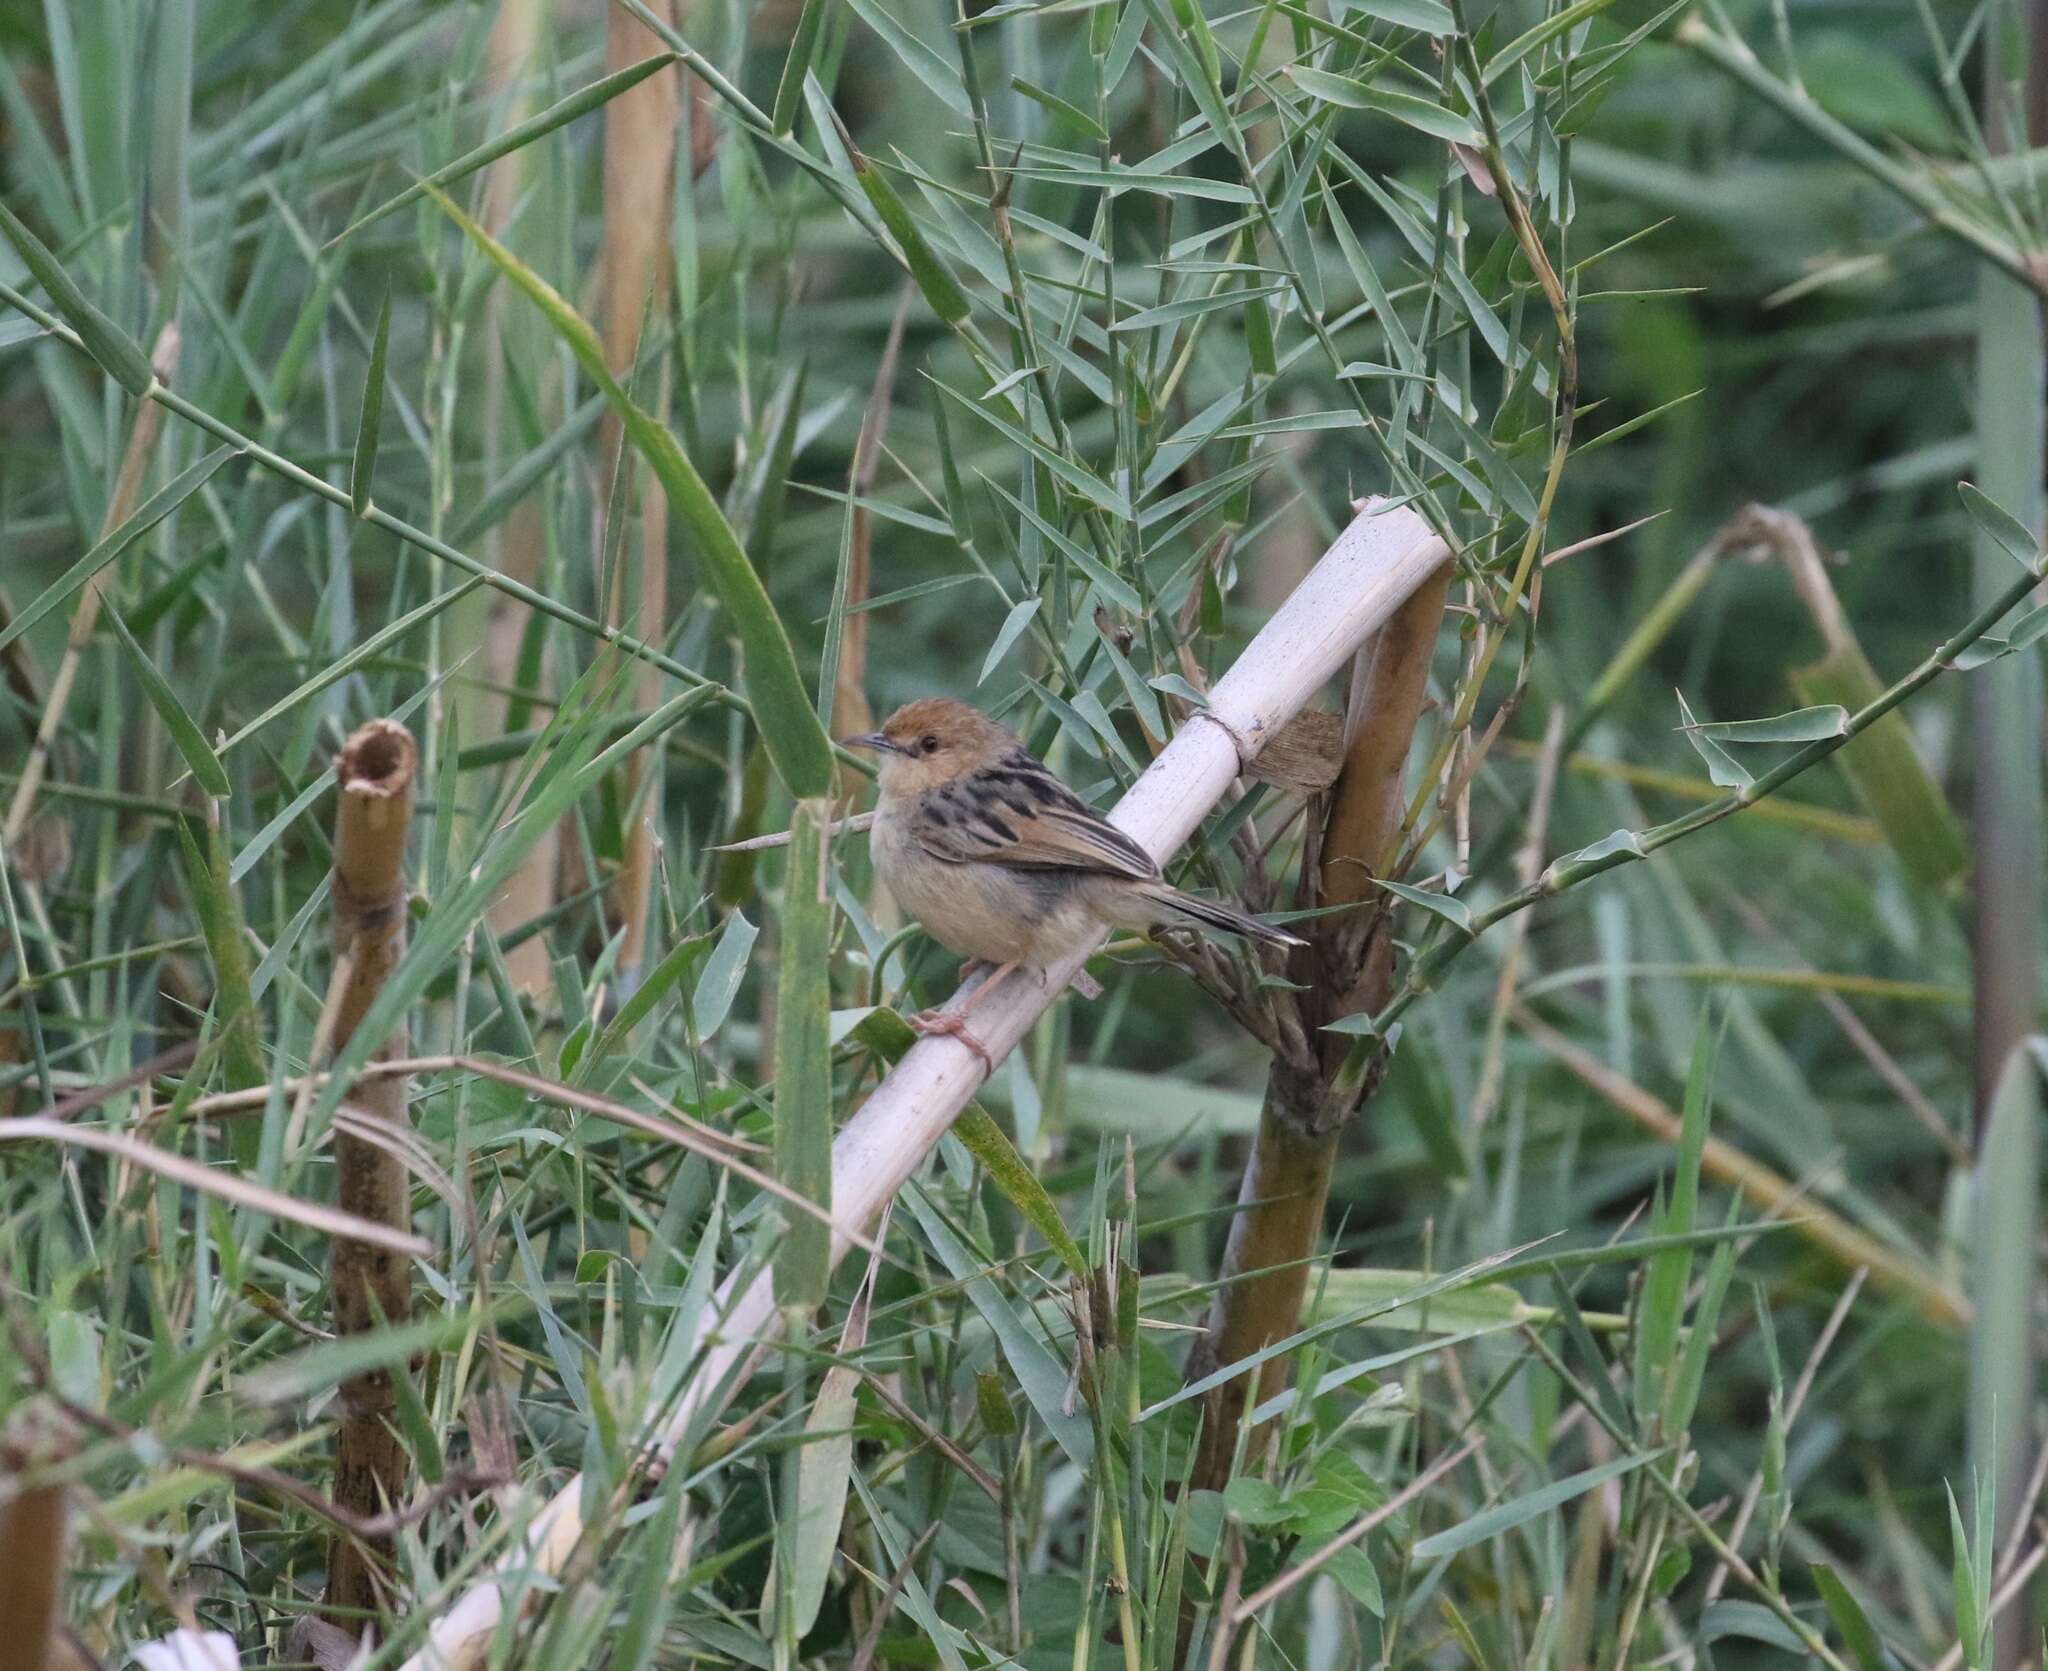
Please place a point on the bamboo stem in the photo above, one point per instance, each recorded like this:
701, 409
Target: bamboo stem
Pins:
31, 1546
2007, 849
1371, 570
372, 1286
1347, 969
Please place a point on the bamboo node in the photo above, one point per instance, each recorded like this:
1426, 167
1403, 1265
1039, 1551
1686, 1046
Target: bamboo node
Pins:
1247, 751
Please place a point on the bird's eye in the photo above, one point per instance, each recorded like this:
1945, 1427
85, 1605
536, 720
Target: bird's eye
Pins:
929, 743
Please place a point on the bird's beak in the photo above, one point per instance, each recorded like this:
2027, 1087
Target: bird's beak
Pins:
870, 739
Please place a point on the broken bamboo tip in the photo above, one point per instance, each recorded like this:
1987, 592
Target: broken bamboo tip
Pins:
378, 761
375, 770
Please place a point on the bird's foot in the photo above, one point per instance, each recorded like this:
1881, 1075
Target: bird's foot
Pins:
930, 1022
1086, 984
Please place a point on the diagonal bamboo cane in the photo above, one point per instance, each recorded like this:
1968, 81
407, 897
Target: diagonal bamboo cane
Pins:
1376, 562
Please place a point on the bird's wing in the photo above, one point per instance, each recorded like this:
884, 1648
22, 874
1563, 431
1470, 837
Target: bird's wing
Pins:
1017, 813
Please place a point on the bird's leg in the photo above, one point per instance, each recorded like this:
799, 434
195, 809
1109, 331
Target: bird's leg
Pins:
955, 1025
1002, 973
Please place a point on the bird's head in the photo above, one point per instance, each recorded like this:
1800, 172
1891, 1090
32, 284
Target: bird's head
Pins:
932, 741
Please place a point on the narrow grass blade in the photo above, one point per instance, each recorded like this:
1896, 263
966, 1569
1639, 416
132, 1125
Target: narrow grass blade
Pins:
803, 46
117, 353
145, 517
364, 465
578, 103
827, 1470
985, 1141
803, 1058
927, 271
1504, 1517
227, 944
719, 984
790, 731
184, 730
1424, 115
1862, 1641
1038, 1372
1662, 1304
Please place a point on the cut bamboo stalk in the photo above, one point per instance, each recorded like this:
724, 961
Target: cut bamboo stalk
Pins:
32, 1544
1375, 564
372, 1286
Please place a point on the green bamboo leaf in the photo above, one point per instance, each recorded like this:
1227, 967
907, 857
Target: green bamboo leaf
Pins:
1059, 107
719, 984
1038, 1372
364, 464
938, 75
578, 103
2005, 530
1802, 725
1114, 587
1012, 629
803, 46
1751, 1621
227, 944
1662, 1305
1504, 1517
1529, 40
1088, 486
1862, 1642
1424, 115
934, 281
314, 1369
1722, 767
1886, 772
1684, 1397
1009, 1173
118, 354
1453, 911
660, 980
185, 733
145, 517
392, 632
1135, 179
1193, 307
1430, 16
788, 723
827, 1473
803, 1058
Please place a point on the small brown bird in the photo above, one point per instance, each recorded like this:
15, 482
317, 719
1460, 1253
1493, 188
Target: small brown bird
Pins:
1001, 862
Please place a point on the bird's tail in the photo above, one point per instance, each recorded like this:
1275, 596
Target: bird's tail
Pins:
1174, 909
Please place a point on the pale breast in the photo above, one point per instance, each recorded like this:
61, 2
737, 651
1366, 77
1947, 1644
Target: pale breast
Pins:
988, 911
